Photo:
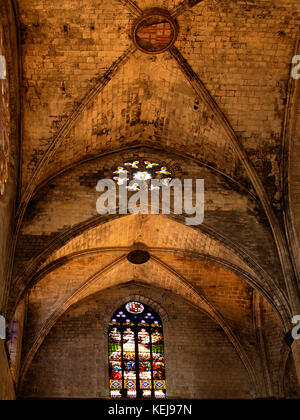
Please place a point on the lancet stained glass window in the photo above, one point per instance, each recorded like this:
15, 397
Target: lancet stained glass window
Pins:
4, 115
141, 172
136, 353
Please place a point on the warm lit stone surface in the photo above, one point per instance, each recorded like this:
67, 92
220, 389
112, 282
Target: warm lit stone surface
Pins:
213, 368
219, 106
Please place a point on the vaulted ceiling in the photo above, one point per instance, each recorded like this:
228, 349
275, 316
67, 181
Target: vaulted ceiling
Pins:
219, 105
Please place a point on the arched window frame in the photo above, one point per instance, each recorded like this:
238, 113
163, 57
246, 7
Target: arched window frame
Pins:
142, 328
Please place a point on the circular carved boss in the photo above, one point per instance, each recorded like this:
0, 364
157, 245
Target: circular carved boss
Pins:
155, 31
138, 256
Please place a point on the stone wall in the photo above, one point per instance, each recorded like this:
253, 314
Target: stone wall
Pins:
90, 102
7, 391
8, 199
200, 361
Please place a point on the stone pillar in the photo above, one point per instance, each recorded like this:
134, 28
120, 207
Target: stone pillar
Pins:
296, 356
7, 391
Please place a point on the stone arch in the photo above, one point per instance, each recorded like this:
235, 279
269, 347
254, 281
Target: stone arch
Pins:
139, 298
255, 275
135, 297
178, 283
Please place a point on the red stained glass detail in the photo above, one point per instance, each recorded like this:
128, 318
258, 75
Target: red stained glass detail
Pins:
157, 34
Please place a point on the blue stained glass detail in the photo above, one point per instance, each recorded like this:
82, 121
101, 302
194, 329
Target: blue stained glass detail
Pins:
145, 384
130, 384
116, 384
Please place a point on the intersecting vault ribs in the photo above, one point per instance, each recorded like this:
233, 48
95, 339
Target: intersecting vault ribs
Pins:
204, 94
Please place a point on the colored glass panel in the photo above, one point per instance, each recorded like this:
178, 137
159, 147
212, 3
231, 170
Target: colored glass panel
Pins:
158, 359
129, 354
159, 394
144, 358
115, 394
140, 173
130, 384
146, 393
135, 307
115, 362
136, 353
131, 393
